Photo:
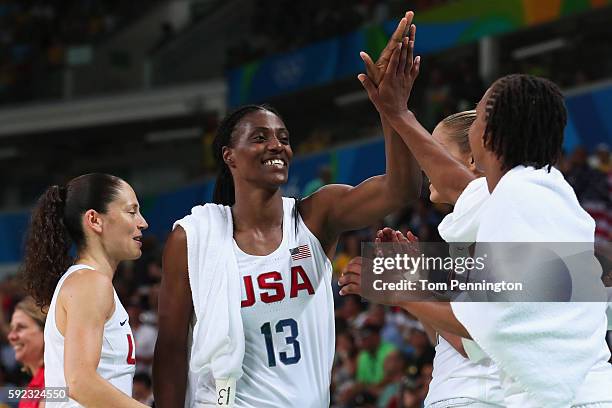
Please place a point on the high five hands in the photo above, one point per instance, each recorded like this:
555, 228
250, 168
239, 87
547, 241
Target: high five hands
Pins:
389, 81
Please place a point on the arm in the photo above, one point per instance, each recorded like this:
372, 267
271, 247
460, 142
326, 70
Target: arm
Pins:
170, 362
341, 207
88, 301
448, 175
438, 315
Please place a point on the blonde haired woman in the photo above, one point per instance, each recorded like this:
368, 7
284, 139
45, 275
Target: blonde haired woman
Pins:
26, 336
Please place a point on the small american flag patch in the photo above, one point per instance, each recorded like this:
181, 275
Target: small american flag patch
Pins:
301, 252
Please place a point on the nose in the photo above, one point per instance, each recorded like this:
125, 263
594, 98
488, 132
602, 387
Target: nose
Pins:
12, 336
274, 144
143, 224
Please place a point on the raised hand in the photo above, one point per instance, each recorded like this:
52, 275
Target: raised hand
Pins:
376, 70
392, 94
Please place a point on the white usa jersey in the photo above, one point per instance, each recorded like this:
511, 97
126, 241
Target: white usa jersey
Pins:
288, 318
117, 358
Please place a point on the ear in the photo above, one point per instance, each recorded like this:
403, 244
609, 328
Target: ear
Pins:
228, 156
93, 220
471, 165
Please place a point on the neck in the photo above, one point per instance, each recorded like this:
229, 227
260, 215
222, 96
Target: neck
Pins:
493, 172
98, 260
34, 366
257, 208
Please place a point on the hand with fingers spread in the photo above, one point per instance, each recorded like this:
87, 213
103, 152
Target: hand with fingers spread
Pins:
376, 70
392, 94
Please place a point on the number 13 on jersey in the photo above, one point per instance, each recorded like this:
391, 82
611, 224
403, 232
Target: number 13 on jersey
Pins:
290, 340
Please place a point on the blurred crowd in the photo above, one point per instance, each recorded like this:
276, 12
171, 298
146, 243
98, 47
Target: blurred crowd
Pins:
35, 36
279, 26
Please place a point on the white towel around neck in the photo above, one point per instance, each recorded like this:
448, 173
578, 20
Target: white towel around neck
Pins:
218, 335
545, 350
462, 224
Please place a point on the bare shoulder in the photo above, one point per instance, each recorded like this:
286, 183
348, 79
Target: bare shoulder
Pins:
316, 209
174, 258
177, 240
88, 289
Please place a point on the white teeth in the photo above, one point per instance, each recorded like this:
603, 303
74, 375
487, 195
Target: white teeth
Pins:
274, 162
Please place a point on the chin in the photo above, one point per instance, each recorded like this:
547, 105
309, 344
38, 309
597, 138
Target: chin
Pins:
133, 255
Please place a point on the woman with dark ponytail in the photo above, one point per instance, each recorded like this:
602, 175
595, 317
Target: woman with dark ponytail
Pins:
89, 346
275, 285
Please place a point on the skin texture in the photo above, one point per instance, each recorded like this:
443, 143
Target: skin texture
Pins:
257, 216
27, 339
441, 135
86, 301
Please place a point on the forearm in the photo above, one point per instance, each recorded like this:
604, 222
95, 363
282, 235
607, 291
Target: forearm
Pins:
169, 390
91, 390
448, 175
437, 314
403, 173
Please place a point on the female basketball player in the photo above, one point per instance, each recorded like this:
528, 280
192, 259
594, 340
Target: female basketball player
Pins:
456, 379
516, 139
89, 346
282, 249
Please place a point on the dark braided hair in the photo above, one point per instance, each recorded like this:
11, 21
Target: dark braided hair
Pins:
224, 193
224, 185
525, 119
56, 225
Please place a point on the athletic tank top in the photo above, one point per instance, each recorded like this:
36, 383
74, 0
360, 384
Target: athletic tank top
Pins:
287, 311
117, 357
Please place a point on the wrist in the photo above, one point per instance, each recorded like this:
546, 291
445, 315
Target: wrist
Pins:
400, 117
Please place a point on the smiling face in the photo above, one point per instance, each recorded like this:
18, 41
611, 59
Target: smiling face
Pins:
122, 225
260, 153
26, 338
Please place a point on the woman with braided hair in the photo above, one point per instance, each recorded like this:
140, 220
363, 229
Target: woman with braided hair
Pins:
89, 346
550, 354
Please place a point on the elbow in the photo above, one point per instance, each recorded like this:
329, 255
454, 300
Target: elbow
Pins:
80, 382
404, 194
77, 383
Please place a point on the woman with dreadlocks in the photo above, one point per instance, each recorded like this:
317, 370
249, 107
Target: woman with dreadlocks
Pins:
254, 268
550, 354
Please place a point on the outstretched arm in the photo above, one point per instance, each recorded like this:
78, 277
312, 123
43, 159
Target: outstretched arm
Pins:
448, 175
170, 361
338, 208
